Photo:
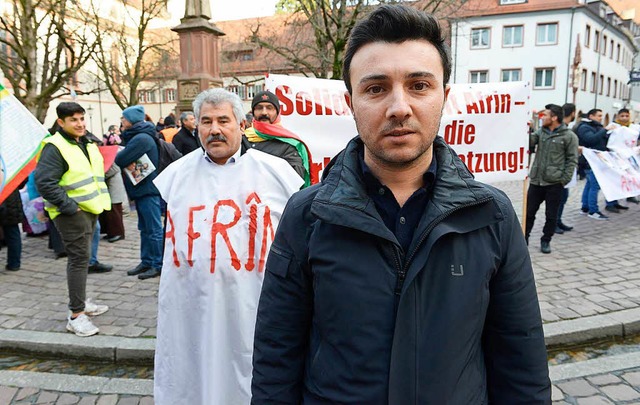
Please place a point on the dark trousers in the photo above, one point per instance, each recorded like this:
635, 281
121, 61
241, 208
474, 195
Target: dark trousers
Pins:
111, 221
563, 201
77, 232
14, 245
551, 195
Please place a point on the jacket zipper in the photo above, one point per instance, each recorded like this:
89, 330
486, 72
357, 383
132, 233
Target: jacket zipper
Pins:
402, 273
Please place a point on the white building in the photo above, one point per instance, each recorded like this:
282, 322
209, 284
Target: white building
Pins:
536, 40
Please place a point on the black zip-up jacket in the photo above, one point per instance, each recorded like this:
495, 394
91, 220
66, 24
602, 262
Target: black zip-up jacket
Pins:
345, 316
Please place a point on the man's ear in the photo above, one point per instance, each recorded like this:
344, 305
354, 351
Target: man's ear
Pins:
60, 122
447, 89
243, 124
347, 98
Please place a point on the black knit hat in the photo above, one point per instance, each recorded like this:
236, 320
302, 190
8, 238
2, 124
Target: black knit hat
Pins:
267, 96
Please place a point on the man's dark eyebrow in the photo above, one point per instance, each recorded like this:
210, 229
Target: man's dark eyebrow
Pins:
373, 77
417, 75
413, 75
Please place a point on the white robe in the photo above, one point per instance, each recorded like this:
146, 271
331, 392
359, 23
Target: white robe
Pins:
209, 292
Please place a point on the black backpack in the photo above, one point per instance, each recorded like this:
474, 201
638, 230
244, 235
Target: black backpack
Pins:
167, 154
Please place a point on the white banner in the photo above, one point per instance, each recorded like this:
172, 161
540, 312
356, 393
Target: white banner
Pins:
485, 123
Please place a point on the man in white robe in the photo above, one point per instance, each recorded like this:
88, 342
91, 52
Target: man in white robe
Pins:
224, 202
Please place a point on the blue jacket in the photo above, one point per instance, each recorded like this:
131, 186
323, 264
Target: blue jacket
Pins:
345, 316
593, 135
139, 139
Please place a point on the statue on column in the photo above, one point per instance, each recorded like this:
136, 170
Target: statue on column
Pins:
197, 8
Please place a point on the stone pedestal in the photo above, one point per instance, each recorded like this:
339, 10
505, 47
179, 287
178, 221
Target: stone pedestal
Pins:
199, 59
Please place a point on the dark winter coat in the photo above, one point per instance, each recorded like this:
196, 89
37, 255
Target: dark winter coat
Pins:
185, 141
592, 135
139, 139
556, 156
11, 210
345, 316
282, 150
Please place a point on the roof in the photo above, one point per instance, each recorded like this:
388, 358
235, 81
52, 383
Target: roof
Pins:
479, 8
626, 9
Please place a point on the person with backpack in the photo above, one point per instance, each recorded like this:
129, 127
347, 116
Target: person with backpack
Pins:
139, 137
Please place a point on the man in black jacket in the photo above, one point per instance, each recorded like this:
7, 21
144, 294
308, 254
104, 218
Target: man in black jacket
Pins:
186, 140
399, 279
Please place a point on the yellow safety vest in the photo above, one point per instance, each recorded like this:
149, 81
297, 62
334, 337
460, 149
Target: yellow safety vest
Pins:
84, 181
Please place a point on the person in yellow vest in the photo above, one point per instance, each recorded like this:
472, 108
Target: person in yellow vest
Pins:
70, 178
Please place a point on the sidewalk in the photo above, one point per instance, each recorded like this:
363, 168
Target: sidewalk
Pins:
590, 278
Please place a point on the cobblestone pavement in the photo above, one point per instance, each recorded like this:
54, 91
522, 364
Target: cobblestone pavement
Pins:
23, 396
620, 387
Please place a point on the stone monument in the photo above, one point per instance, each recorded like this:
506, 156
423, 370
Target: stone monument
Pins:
199, 53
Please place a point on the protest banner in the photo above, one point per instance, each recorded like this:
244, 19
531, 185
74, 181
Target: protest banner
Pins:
617, 170
486, 124
21, 135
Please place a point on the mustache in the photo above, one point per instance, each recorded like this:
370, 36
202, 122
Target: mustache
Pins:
216, 137
395, 125
263, 117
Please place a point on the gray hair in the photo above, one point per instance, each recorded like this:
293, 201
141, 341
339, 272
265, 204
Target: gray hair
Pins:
218, 96
184, 115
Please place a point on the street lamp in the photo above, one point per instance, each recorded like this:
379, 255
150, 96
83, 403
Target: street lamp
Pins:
90, 112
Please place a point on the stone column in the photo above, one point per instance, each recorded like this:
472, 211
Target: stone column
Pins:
199, 54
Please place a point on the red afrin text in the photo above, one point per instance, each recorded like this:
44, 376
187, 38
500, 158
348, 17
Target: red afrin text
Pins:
478, 103
220, 230
318, 101
629, 183
494, 161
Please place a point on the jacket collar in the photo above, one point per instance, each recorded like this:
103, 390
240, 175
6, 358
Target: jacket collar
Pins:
342, 192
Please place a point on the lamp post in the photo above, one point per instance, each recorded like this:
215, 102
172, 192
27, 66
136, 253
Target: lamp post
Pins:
90, 112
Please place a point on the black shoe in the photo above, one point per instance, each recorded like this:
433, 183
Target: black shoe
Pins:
620, 207
559, 230
115, 238
545, 247
141, 268
564, 227
151, 273
633, 200
61, 255
612, 208
98, 267
7, 267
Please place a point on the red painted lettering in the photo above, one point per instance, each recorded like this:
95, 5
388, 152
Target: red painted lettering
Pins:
219, 228
171, 235
268, 226
191, 234
253, 229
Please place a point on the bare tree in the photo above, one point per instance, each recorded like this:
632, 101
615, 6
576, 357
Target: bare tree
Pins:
314, 34
43, 44
129, 53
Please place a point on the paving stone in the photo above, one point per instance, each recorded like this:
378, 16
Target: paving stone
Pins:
107, 400
577, 388
68, 399
595, 400
146, 401
604, 379
26, 393
128, 401
620, 392
7, 394
46, 397
88, 400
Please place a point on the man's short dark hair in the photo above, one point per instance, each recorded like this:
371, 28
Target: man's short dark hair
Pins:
111, 128
593, 111
396, 24
568, 109
556, 111
68, 109
624, 110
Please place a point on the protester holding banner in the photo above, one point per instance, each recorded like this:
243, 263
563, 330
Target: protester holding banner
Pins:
592, 135
139, 137
70, 177
399, 279
556, 150
223, 205
623, 119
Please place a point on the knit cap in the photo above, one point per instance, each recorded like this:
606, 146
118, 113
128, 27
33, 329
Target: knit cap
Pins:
267, 96
134, 113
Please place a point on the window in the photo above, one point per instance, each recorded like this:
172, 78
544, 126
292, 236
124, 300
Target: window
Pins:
615, 88
504, 2
604, 45
601, 84
544, 78
512, 36
596, 41
587, 36
478, 76
593, 82
480, 38
510, 75
583, 80
618, 53
611, 49
151, 96
608, 86
547, 34
141, 97
171, 95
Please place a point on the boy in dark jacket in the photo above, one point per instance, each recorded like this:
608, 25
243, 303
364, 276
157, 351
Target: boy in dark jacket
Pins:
11, 215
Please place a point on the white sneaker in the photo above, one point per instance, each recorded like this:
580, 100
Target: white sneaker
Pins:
82, 326
92, 309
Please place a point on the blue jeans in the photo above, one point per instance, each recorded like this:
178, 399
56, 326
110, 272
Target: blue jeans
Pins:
150, 227
14, 245
95, 240
590, 192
